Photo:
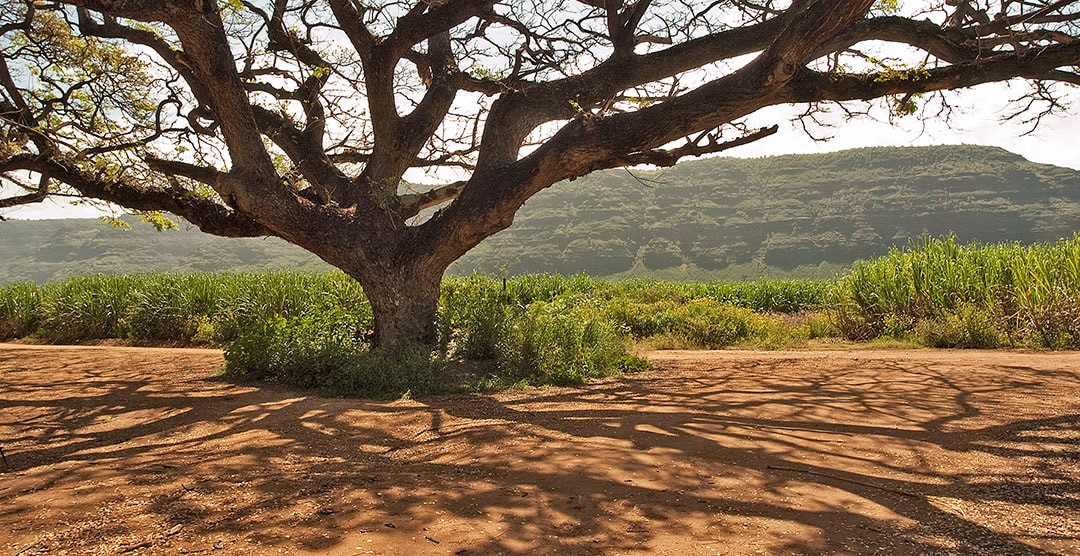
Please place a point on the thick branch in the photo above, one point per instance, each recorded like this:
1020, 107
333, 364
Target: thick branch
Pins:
944, 44
202, 174
36, 196
208, 215
439, 18
412, 204
351, 22
515, 114
1041, 63
487, 205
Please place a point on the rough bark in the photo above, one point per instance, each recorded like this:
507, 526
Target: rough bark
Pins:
404, 302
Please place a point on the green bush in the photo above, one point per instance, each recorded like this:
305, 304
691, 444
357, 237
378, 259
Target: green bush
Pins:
328, 352
968, 328
980, 330
775, 333
404, 372
712, 325
301, 352
563, 343
698, 323
946, 331
475, 315
820, 325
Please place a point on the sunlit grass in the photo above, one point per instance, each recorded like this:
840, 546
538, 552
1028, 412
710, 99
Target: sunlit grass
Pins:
936, 288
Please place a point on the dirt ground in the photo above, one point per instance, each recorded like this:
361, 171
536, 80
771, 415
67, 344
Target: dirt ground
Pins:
145, 451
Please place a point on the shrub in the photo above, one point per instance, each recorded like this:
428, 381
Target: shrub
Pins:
968, 328
770, 332
942, 332
563, 343
474, 315
980, 330
712, 325
820, 325
328, 351
405, 372
698, 323
301, 352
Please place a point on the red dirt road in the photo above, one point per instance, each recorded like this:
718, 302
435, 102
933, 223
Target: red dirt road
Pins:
145, 451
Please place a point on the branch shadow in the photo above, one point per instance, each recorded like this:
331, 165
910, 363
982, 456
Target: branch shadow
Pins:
805, 453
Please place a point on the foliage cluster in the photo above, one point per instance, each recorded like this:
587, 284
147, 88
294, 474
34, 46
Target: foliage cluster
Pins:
328, 351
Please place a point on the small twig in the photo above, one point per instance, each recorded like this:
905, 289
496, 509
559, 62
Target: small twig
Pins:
28, 547
134, 547
4, 457
839, 478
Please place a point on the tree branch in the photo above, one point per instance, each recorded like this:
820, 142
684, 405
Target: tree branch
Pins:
208, 215
811, 86
439, 18
412, 204
202, 174
36, 196
670, 157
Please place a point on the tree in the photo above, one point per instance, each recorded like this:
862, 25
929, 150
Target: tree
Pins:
300, 118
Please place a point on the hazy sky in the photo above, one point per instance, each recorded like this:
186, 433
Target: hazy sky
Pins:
976, 120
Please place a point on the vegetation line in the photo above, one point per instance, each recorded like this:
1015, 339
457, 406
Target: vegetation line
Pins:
314, 330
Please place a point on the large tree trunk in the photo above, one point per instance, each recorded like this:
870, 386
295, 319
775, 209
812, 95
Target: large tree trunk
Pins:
405, 305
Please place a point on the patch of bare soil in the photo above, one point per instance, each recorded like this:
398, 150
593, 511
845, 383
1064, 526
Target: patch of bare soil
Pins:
144, 451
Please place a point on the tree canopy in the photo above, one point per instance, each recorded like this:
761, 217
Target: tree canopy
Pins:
300, 118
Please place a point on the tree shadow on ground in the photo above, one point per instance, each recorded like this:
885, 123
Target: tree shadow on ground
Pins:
733, 453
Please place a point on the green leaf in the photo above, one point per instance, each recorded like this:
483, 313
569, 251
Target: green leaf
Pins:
115, 222
157, 220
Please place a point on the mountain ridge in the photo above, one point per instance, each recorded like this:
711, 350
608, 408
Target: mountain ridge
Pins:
784, 215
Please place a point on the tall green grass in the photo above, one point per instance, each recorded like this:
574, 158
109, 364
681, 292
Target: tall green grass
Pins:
85, 307
205, 308
20, 310
1001, 294
779, 296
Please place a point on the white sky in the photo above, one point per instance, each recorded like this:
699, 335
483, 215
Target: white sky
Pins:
976, 120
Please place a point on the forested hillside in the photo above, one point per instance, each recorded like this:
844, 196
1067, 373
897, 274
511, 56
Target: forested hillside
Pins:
794, 215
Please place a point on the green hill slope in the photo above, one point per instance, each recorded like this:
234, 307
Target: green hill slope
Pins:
804, 215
